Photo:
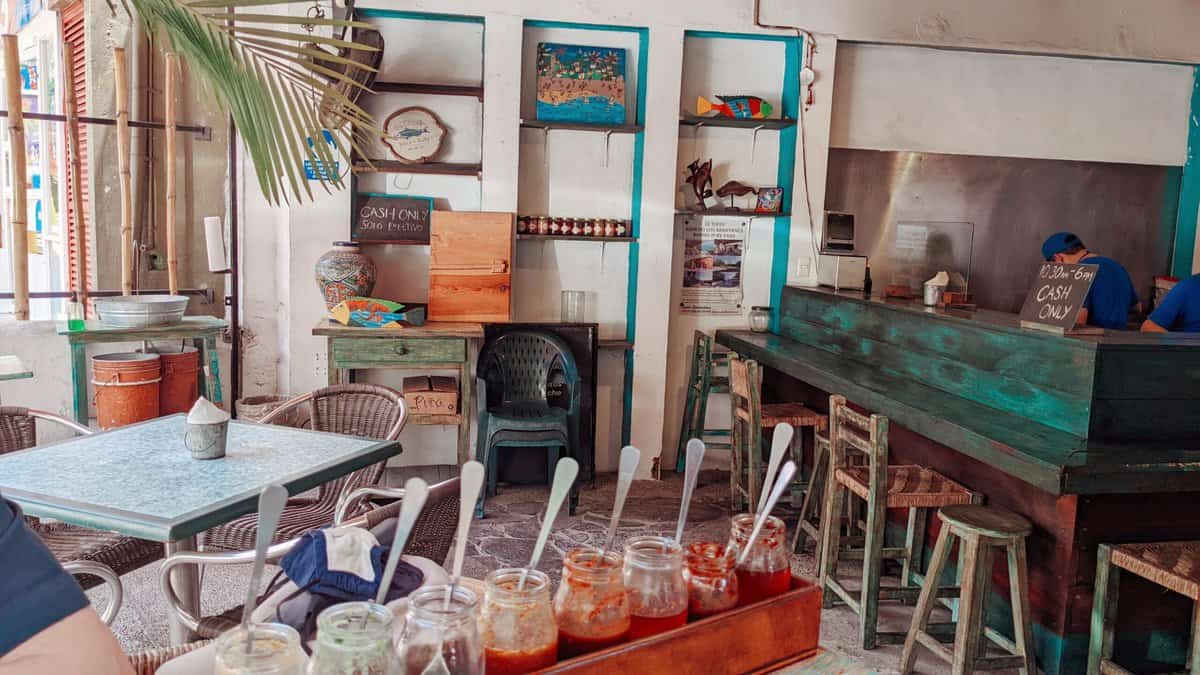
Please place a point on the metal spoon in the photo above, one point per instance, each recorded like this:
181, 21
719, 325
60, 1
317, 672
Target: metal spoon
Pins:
630, 456
416, 491
691, 471
785, 478
780, 441
470, 482
565, 473
270, 508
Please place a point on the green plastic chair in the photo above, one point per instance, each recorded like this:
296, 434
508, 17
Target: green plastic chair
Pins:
512, 380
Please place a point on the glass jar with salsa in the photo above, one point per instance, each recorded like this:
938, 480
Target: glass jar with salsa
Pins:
591, 606
658, 592
432, 630
517, 626
766, 571
712, 583
353, 637
274, 650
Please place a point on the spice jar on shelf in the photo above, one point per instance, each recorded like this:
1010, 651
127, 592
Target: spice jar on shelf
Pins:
274, 648
712, 583
766, 571
517, 623
591, 606
353, 637
658, 592
760, 318
429, 628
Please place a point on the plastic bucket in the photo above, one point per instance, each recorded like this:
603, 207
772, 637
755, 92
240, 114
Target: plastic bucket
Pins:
180, 378
127, 388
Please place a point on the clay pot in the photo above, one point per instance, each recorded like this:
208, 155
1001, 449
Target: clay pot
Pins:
344, 271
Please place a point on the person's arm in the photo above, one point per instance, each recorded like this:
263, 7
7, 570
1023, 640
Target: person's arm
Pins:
1082, 318
1167, 313
1149, 326
80, 643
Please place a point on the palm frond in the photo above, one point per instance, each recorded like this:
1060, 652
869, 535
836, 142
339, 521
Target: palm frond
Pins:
271, 80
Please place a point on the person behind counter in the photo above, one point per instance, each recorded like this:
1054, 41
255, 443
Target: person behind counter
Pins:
1179, 311
1111, 296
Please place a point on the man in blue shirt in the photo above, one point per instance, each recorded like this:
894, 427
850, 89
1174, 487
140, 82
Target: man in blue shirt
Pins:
1179, 311
46, 623
1111, 296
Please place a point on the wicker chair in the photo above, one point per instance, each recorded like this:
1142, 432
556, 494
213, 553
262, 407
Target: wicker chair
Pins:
432, 535
366, 410
93, 556
149, 661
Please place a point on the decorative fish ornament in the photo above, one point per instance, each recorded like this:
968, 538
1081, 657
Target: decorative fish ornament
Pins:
737, 107
376, 313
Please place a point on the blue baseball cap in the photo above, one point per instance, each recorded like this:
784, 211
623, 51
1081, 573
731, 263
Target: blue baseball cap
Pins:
1059, 242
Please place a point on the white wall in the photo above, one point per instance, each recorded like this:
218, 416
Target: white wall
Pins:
890, 97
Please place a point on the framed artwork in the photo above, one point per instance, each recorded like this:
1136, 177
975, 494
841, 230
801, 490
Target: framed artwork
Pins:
769, 200
413, 134
580, 84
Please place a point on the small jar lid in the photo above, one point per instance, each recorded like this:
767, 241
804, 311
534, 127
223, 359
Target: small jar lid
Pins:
761, 308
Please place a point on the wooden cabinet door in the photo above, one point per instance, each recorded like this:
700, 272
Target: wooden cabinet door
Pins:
470, 266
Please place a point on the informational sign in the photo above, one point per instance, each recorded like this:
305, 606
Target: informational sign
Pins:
713, 251
390, 219
1057, 295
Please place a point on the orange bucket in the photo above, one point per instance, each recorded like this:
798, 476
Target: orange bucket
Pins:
180, 377
127, 388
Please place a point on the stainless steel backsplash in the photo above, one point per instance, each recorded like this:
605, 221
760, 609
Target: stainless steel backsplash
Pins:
1012, 204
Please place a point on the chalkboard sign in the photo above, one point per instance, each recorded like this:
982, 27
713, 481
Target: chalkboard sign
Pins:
1057, 295
390, 219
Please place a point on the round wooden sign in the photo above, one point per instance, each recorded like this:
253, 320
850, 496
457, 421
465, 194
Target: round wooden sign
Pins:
413, 134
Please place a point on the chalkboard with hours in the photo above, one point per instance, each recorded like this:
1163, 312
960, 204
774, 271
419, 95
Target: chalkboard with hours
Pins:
390, 219
1057, 295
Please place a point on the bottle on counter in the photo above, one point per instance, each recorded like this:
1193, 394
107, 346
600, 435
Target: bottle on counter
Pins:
517, 626
867, 280
712, 583
654, 580
766, 571
591, 606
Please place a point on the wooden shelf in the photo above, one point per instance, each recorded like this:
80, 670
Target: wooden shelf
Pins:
732, 212
431, 89
394, 166
579, 126
772, 123
572, 237
622, 345
430, 419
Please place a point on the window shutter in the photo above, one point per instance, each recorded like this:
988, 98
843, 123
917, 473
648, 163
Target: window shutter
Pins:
73, 33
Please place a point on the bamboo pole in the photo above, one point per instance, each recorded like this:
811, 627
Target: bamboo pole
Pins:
75, 167
16, 140
121, 75
169, 138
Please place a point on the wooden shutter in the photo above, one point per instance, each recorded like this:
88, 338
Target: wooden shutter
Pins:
72, 29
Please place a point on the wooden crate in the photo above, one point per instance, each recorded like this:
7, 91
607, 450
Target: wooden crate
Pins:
431, 395
470, 266
756, 638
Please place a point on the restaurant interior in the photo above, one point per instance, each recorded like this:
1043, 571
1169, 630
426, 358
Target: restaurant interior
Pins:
718, 336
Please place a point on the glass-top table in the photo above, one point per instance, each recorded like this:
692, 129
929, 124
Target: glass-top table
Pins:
141, 481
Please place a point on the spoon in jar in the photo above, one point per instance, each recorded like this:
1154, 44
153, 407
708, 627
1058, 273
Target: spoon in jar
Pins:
695, 457
470, 482
780, 441
270, 508
565, 473
416, 491
630, 456
785, 478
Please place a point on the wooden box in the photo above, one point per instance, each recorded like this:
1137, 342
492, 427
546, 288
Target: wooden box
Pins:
765, 636
431, 395
470, 266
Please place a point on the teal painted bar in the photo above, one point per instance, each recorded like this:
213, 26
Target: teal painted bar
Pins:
1189, 190
538, 23
720, 35
785, 174
374, 13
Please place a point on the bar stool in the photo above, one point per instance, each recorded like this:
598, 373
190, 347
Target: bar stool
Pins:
702, 381
750, 417
1174, 565
809, 523
882, 487
980, 530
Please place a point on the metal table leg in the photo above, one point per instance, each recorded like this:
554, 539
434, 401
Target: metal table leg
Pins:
186, 583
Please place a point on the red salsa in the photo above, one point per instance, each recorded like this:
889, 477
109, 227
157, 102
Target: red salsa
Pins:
505, 662
570, 646
755, 586
645, 626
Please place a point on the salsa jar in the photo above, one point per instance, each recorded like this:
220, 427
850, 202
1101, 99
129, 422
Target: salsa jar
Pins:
657, 589
766, 571
353, 638
517, 623
430, 627
712, 581
591, 607
274, 650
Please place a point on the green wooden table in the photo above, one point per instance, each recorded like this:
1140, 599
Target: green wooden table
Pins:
202, 331
433, 346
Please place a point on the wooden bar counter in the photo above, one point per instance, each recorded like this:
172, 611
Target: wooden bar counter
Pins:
1094, 438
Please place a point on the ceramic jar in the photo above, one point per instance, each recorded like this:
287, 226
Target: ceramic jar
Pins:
344, 271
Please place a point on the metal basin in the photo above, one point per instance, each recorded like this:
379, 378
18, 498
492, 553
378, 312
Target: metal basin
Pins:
141, 311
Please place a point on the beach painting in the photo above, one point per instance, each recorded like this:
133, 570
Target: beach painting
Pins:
580, 84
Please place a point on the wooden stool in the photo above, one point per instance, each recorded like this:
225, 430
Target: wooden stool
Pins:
702, 381
980, 530
1174, 565
750, 417
882, 487
810, 509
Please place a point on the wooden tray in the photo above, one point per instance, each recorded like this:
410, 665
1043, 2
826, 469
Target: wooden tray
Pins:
756, 638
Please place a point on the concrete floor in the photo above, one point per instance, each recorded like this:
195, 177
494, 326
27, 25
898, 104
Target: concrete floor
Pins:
506, 537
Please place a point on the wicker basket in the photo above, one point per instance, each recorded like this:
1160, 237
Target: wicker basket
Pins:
254, 408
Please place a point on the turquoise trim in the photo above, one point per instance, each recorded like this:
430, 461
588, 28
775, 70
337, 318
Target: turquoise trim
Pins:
719, 35
1189, 190
537, 23
635, 216
785, 175
374, 13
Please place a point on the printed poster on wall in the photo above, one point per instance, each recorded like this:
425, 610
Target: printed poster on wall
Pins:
713, 250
